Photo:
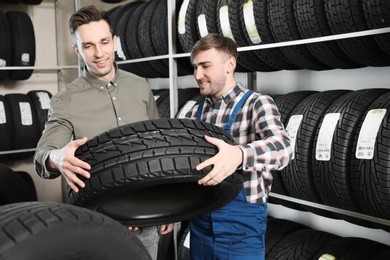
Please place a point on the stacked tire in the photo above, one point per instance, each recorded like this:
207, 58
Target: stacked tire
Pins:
340, 140
22, 120
17, 47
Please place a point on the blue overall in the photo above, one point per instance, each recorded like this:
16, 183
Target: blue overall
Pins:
234, 232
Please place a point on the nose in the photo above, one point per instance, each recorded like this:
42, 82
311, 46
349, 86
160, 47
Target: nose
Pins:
98, 51
198, 73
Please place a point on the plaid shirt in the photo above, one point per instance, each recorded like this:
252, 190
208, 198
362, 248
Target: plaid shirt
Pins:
258, 132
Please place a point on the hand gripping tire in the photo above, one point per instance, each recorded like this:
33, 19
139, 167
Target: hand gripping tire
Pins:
56, 231
144, 173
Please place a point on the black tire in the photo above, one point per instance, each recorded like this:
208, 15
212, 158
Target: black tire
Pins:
332, 176
14, 187
55, 231
302, 244
311, 22
144, 173
351, 248
183, 252
30, 189
273, 57
248, 59
284, 28
133, 43
187, 31
119, 17
277, 229
5, 45
346, 16
376, 14
5, 128
23, 42
371, 177
286, 104
41, 102
208, 24
297, 176
25, 124
145, 27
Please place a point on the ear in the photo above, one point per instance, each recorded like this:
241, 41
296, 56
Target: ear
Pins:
114, 39
231, 65
76, 50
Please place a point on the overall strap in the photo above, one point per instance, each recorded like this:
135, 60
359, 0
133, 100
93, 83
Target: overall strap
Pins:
228, 125
238, 106
199, 112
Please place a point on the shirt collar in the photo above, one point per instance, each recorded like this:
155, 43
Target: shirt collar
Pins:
97, 83
228, 95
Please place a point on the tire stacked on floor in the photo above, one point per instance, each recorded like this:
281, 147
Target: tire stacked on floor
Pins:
49, 230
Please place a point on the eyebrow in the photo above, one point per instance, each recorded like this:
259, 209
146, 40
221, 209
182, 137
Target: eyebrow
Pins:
103, 39
201, 63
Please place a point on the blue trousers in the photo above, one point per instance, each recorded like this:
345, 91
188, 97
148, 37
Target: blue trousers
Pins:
234, 232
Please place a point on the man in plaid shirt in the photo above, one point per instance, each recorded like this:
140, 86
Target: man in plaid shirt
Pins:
237, 231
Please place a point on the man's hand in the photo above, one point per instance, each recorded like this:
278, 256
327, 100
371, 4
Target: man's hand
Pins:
164, 229
225, 162
70, 166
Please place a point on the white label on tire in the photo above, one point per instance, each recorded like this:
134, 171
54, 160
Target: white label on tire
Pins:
292, 130
368, 132
25, 58
44, 100
224, 21
327, 257
184, 110
181, 23
3, 118
25, 113
202, 25
325, 136
250, 24
119, 50
187, 241
3, 63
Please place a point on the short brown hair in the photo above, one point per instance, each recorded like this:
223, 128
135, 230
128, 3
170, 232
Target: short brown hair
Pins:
86, 15
219, 42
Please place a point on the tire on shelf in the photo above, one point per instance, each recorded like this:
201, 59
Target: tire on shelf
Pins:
41, 102
144, 173
286, 104
346, 17
25, 124
300, 244
350, 248
332, 169
297, 176
277, 229
187, 32
376, 14
50, 230
5, 45
273, 56
6, 128
371, 177
283, 27
311, 22
23, 44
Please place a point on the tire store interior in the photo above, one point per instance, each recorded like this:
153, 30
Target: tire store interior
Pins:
326, 63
